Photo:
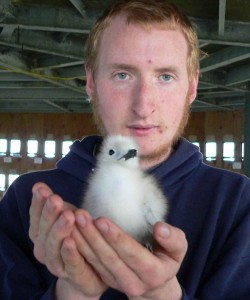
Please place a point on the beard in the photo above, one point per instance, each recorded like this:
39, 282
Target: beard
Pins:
97, 119
160, 153
165, 150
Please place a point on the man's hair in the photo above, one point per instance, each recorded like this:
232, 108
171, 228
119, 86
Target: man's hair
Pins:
148, 13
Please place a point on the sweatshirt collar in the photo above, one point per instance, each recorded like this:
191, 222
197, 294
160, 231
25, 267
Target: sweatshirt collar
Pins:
82, 159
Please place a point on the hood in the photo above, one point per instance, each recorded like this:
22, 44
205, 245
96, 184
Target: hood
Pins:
185, 159
81, 160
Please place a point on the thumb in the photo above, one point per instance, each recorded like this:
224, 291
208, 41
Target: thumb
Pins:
172, 242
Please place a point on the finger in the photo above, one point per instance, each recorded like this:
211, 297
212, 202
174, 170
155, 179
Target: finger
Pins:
78, 270
41, 192
61, 229
152, 269
136, 257
88, 239
172, 241
50, 213
103, 257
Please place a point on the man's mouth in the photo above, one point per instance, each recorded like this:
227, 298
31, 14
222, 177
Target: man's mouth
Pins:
142, 129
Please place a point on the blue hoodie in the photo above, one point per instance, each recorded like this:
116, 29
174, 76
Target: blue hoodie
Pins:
210, 205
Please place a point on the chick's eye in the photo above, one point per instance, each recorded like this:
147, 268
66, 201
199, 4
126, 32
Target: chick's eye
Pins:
111, 152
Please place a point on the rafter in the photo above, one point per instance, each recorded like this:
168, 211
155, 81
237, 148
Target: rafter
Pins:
224, 57
222, 16
79, 6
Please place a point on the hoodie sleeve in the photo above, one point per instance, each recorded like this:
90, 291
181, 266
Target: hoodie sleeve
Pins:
226, 271
21, 275
227, 276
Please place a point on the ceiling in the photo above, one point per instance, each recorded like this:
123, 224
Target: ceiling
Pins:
42, 53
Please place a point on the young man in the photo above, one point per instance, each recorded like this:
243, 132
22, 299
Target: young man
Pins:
142, 74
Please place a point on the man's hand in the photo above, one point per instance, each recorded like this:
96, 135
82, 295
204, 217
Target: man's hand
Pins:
126, 265
52, 222
95, 254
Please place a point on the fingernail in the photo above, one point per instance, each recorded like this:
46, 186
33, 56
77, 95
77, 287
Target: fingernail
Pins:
164, 231
102, 226
81, 220
50, 205
62, 221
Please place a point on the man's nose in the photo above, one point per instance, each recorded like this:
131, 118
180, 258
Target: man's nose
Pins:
144, 99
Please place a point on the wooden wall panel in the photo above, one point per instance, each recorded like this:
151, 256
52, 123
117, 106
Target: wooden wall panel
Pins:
40, 124
201, 126
222, 126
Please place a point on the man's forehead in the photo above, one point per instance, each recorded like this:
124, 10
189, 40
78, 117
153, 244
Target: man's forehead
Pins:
124, 19
119, 26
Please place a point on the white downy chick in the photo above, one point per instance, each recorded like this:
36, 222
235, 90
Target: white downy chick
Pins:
121, 191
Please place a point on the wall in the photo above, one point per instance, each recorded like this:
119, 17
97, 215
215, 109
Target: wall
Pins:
202, 127
219, 126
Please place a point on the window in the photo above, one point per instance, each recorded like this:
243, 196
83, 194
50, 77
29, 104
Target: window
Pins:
2, 182
196, 144
242, 150
50, 149
11, 178
32, 148
3, 147
15, 147
211, 151
228, 151
65, 147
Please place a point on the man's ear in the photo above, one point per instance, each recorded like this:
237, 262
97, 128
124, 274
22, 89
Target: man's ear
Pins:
90, 83
193, 88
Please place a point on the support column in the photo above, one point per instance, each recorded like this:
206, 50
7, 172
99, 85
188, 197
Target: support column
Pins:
247, 136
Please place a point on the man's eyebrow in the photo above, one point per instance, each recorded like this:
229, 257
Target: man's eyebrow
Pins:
170, 69
127, 66
122, 66
131, 68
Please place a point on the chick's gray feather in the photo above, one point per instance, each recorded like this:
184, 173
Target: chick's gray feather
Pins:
120, 190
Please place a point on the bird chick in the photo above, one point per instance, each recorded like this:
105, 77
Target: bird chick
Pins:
120, 190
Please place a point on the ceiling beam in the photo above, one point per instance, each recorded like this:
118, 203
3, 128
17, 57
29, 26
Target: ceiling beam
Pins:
7, 31
45, 43
55, 62
79, 6
209, 105
66, 20
13, 106
218, 94
215, 79
57, 19
17, 64
41, 93
222, 16
12, 76
238, 75
235, 33
51, 103
24, 85
72, 72
224, 57
5, 10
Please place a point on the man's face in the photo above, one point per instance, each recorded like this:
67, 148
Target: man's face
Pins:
141, 86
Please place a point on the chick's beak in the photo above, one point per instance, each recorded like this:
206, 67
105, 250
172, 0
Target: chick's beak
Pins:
130, 154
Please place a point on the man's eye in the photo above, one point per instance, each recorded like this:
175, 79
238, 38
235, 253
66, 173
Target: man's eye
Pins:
122, 76
166, 77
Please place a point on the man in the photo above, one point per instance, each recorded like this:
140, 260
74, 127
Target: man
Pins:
142, 75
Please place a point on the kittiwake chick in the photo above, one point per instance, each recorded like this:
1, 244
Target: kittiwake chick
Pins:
120, 190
